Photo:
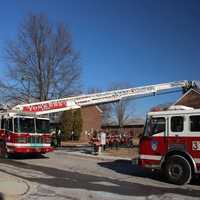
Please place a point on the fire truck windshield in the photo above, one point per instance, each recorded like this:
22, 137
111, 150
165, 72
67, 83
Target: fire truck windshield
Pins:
31, 125
154, 126
24, 125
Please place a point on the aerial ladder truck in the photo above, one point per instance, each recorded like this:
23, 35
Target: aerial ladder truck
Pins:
24, 130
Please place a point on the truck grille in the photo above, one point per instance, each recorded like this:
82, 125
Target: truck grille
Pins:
35, 139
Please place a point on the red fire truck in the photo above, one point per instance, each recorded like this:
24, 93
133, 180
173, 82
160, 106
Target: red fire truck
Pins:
171, 142
23, 130
23, 134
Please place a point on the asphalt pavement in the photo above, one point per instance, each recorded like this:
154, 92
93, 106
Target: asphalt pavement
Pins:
68, 174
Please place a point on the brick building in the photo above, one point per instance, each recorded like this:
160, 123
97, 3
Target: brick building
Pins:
133, 127
191, 99
92, 120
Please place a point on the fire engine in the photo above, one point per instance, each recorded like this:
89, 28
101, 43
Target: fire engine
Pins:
171, 143
23, 130
21, 133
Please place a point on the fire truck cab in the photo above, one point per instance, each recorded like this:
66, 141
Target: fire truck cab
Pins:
171, 142
23, 134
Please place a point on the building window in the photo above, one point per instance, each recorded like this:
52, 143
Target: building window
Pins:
177, 124
195, 123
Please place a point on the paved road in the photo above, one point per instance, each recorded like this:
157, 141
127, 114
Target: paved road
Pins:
62, 176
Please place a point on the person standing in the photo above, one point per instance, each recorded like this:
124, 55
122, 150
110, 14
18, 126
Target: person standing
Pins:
103, 140
59, 137
95, 142
116, 141
53, 139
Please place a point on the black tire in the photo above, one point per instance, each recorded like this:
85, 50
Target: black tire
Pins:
3, 150
178, 170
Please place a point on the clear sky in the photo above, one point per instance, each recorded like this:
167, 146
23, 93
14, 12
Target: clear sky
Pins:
137, 42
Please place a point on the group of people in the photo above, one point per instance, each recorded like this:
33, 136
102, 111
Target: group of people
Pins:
102, 140
98, 140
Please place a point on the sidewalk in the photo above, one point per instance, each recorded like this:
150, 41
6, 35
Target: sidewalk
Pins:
12, 188
101, 156
74, 144
109, 154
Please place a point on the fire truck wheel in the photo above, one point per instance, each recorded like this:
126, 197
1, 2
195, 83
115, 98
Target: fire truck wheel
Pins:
178, 170
3, 150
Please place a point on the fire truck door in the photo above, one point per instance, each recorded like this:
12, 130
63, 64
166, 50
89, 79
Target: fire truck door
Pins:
154, 144
177, 127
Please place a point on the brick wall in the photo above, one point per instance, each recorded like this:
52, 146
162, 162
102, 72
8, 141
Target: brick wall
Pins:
92, 120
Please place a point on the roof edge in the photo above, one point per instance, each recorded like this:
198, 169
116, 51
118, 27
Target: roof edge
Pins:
179, 99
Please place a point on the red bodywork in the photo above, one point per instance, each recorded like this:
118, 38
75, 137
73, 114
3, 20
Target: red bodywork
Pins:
153, 157
26, 143
169, 139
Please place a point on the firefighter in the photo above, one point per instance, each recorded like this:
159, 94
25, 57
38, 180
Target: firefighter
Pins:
130, 141
116, 141
53, 139
59, 137
95, 142
111, 140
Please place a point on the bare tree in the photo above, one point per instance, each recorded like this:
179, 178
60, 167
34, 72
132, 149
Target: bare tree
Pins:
41, 62
117, 111
120, 109
120, 112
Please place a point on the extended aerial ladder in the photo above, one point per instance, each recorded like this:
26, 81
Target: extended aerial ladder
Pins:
22, 130
52, 106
